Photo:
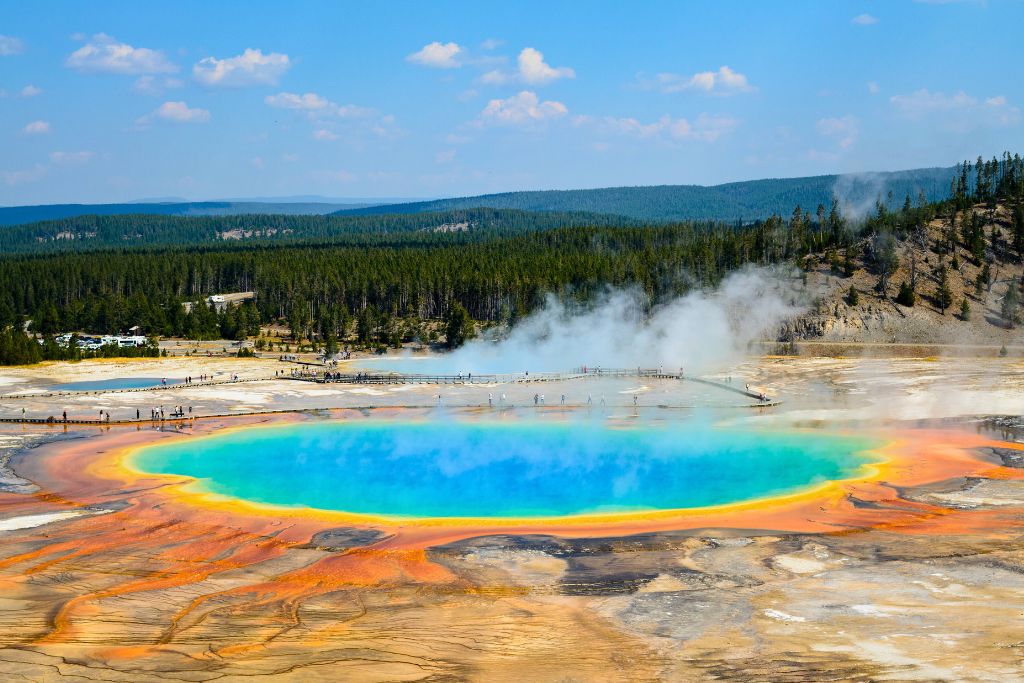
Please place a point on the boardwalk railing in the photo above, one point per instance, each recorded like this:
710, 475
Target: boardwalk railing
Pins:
474, 378
470, 378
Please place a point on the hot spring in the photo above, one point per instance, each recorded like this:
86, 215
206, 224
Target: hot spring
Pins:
508, 469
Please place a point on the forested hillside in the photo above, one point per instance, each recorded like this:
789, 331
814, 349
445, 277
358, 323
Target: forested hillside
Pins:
379, 280
746, 201
141, 231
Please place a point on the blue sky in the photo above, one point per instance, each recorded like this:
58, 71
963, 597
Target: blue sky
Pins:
116, 101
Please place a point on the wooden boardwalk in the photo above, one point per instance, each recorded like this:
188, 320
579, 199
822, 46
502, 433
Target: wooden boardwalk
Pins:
518, 378
392, 378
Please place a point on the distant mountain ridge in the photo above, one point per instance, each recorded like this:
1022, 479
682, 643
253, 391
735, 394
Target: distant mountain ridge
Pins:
16, 215
739, 201
746, 200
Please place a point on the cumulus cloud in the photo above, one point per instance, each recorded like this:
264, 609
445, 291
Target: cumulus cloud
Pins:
315, 105
438, 55
724, 81
9, 45
176, 112
30, 91
705, 128
531, 69
445, 156
842, 129
36, 128
534, 70
924, 101
252, 67
324, 134
872, 87
152, 85
20, 177
864, 20
958, 111
287, 100
70, 158
105, 54
524, 107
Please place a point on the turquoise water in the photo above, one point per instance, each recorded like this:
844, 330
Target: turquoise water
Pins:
115, 383
480, 469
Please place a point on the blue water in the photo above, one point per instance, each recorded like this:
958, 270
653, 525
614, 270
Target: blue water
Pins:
480, 469
115, 383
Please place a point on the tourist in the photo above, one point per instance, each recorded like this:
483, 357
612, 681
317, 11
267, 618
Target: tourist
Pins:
65, 416
590, 400
635, 398
490, 400
563, 399
138, 415
536, 398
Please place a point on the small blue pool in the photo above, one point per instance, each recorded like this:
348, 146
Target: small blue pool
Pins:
113, 384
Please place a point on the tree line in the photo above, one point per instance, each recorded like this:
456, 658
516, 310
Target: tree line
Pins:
387, 285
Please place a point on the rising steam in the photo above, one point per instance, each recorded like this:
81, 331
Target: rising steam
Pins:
700, 332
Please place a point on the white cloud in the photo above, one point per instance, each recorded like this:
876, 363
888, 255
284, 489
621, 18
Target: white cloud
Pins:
70, 158
872, 87
534, 70
316, 105
958, 112
287, 100
252, 67
724, 81
864, 20
445, 156
923, 101
257, 162
30, 91
176, 112
104, 54
29, 175
524, 107
842, 129
324, 134
491, 43
151, 85
36, 128
438, 55
496, 77
705, 128
9, 45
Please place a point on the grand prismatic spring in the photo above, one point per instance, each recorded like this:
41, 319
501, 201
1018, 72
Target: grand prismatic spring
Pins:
448, 468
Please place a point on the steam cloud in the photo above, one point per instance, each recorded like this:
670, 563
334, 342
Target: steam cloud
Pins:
700, 332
